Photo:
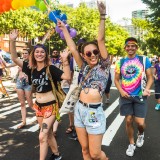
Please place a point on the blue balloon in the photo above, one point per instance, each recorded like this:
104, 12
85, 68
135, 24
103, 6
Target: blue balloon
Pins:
53, 15
63, 17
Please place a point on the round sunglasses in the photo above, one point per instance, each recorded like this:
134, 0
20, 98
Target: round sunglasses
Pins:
89, 53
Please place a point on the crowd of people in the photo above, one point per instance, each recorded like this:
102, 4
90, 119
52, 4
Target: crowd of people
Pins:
86, 64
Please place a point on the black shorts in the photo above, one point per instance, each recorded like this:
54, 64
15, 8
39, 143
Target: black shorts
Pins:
109, 83
135, 106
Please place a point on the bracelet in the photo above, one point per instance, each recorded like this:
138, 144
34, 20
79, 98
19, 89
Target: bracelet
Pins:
103, 14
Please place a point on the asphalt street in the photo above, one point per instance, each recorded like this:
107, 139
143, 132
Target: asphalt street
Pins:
22, 144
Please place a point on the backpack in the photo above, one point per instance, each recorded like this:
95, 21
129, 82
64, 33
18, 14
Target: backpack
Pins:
143, 77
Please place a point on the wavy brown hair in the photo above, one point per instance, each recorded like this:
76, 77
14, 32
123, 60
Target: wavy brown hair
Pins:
88, 43
33, 62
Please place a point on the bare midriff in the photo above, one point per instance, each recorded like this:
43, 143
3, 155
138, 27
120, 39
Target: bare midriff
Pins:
90, 95
45, 97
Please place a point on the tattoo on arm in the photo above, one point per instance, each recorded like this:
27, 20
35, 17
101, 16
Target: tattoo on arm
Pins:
44, 126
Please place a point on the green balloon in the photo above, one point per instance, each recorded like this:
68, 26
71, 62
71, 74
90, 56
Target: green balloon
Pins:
37, 3
42, 6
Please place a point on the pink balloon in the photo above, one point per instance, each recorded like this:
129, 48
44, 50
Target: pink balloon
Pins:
58, 30
62, 35
73, 32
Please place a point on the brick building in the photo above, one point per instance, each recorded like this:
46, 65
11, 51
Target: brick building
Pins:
20, 43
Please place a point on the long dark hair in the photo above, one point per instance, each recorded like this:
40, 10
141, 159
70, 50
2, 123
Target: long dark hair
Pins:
33, 62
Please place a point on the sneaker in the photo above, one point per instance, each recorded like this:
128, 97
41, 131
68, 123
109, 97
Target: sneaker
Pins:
55, 157
140, 140
73, 136
130, 150
157, 107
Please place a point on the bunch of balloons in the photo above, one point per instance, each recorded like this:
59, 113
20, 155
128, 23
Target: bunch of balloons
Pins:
53, 15
6, 5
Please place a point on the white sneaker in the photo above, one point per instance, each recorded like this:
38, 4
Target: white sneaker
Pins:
130, 150
140, 140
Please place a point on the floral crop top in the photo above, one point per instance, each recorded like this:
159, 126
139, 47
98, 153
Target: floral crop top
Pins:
98, 76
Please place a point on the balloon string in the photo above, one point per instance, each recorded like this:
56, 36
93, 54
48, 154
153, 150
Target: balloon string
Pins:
48, 7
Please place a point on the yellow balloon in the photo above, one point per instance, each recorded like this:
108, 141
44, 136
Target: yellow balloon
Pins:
28, 3
15, 4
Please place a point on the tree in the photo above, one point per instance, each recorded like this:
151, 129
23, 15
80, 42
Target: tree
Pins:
154, 18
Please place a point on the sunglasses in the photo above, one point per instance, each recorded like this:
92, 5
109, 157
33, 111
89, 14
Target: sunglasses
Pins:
95, 52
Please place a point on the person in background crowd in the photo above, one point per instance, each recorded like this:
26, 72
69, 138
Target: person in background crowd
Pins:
76, 76
89, 118
132, 101
156, 74
24, 89
2, 66
107, 90
55, 58
46, 106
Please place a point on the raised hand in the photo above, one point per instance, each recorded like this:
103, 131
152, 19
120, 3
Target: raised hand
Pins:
60, 24
13, 34
64, 54
101, 7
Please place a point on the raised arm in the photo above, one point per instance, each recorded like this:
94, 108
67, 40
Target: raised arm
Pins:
13, 35
101, 32
70, 43
66, 67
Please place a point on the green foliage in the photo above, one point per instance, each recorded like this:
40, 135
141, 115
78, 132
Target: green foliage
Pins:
33, 23
154, 18
86, 20
30, 23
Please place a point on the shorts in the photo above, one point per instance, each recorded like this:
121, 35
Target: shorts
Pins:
157, 89
136, 106
109, 83
46, 110
92, 119
21, 85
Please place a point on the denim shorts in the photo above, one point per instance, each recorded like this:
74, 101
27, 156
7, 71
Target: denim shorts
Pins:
92, 119
136, 106
23, 86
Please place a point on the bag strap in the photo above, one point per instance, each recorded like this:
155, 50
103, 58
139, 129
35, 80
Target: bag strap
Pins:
86, 76
52, 83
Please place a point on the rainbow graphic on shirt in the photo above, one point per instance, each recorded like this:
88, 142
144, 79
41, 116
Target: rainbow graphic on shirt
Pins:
131, 72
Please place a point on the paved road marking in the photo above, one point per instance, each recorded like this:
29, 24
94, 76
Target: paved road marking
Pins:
12, 110
12, 96
111, 108
28, 121
112, 130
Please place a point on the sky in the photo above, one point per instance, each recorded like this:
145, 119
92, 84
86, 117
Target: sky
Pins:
118, 9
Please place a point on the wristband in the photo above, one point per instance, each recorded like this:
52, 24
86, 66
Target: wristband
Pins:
103, 14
